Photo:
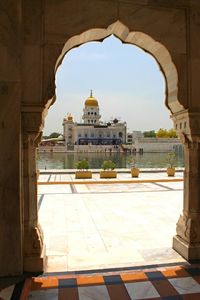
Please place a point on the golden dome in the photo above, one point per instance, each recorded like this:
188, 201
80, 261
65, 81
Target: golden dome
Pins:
69, 117
91, 101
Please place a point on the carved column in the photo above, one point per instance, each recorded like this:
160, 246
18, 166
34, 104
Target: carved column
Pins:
33, 237
187, 240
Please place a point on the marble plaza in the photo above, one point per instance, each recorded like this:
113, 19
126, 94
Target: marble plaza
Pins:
100, 226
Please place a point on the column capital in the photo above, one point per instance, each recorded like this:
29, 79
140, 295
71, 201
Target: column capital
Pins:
31, 139
32, 122
187, 125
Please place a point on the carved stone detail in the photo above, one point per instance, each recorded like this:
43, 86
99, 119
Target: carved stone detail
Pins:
32, 121
32, 139
32, 124
33, 243
187, 125
49, 93
188, 228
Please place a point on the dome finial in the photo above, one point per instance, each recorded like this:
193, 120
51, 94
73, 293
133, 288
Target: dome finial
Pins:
91, 93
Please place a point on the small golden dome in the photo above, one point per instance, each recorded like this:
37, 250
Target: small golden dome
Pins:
69, 117
91, 101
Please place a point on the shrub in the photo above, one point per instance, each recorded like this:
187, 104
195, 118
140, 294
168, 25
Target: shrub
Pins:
83, 165
171, 158
132, 162
108, 165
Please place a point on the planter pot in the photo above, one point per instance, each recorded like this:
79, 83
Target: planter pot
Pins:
135, 172
108, 174
83, 174
170, 171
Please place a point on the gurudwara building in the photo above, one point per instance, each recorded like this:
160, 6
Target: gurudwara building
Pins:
92, 131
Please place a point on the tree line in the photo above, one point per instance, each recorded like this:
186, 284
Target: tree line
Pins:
161, 133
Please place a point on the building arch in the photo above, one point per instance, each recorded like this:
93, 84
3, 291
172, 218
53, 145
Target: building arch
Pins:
141, 40
34, 38
118, 29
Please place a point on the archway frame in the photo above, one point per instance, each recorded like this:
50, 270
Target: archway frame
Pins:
141, 40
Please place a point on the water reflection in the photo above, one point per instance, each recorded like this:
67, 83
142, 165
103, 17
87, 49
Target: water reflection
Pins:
122, 160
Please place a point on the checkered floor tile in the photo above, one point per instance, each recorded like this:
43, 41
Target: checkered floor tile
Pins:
180, 282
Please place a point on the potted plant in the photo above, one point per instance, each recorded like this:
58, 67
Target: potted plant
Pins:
108, 167
134, 170
83, 172
171, 160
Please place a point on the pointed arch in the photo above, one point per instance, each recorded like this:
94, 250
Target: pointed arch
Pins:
143, 41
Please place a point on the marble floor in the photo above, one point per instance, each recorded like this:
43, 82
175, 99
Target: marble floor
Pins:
104, 226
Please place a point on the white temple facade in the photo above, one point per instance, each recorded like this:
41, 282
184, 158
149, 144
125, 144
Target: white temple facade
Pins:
92, 131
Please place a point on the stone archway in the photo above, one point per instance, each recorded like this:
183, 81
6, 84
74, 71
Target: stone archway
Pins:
141, 40
33, 235
184, 122
33, 36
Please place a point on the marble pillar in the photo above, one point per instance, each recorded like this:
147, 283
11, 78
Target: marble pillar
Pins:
33, 247
187, 240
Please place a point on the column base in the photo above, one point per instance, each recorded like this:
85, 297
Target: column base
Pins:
189, 252
34, 263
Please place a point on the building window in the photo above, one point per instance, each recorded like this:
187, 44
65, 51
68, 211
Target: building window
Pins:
88, 121
95, 113
88, 113
100, 135
92, 113
114, 135
120, 134
91, 121
86, 135
95, 121
70, 128
79, 135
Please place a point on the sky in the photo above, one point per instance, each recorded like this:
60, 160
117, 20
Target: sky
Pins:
126, 81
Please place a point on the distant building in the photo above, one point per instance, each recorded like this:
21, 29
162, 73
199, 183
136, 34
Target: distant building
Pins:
132, 136
92, 131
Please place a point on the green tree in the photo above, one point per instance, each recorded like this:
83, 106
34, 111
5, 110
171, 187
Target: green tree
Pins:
149, 134
162, 133
45, 137
54, 135
172, 133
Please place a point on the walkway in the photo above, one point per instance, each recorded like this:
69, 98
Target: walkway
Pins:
110, 241
67, 177
100, 226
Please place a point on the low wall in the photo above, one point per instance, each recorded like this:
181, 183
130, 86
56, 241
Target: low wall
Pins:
148, 145
157, 144
80, 148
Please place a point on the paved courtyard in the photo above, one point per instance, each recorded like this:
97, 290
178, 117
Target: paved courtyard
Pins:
100, 226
